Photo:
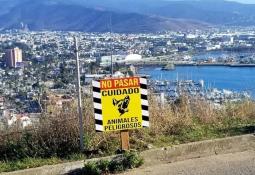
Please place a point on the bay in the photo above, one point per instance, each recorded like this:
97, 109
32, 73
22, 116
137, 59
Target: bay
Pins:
238, 79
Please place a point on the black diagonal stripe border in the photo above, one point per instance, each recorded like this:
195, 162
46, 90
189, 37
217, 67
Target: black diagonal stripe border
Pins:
144, 97
98, 131
97, 100
144, 77
99, 122
96, 89
98, 111
146, 118
143, 86
146, 108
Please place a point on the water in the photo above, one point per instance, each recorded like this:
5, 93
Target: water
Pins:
238, 79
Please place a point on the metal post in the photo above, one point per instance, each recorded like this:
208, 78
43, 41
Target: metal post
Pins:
78, 86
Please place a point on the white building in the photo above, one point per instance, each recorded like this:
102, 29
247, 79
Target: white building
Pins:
133, 58
106, 60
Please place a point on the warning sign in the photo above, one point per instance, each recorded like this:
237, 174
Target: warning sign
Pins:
120, 104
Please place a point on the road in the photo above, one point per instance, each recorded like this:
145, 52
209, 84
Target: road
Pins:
242, 163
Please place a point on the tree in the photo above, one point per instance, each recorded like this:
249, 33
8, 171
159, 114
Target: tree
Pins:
64, 73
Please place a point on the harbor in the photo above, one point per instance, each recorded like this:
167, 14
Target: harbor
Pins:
173, 90
218, 84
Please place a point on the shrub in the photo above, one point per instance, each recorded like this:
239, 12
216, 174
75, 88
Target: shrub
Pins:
116, 166
132, 160
54, 137
92, 168
119, 164
103, 165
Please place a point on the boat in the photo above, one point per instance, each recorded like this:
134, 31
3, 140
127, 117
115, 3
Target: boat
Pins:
168, 67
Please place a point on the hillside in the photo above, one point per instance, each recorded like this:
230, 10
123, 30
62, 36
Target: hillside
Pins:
60, 16
127, 15
217, 12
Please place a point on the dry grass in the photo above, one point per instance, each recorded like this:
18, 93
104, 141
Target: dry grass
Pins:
195, 119
244, 110
169, 119
187, 120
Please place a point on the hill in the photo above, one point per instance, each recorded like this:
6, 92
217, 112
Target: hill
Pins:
127, 15
52, 15
217, 12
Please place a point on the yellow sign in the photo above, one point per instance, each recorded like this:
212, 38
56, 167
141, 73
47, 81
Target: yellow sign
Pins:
121, 104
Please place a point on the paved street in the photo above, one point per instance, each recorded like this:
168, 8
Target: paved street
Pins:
228, 164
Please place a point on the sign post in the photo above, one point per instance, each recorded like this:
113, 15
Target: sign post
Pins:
124, 136
120, 105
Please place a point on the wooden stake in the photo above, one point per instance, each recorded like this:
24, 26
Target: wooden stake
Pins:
124, 140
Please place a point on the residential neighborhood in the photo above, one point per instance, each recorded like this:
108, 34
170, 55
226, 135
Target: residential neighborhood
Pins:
34, 63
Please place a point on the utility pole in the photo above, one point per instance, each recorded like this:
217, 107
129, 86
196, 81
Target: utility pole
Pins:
111, 45
111, 59
78, 86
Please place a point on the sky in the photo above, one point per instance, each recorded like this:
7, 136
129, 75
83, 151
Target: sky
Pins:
246, 1
241, 1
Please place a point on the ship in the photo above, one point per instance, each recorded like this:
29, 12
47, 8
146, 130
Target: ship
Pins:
168, 67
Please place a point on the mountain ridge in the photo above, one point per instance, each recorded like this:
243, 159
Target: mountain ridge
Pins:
61, 16
217, 12
129, 16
